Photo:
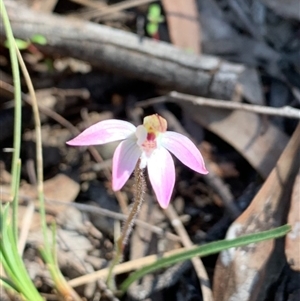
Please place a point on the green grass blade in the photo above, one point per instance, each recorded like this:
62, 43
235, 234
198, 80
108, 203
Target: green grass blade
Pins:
17, 113
8, 269
12, 261
205, 250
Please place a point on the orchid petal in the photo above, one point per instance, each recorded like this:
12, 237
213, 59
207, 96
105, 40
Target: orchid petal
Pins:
104, 132
124, 161
161, 173
141, 134
185, 150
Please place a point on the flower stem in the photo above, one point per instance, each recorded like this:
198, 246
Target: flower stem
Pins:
139, 191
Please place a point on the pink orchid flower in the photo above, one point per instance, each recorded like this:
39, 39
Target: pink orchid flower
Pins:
150, 143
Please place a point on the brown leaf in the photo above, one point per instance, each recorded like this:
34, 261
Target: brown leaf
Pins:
183, 23
245, 273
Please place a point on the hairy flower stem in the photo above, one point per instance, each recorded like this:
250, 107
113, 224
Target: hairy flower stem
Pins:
139, 191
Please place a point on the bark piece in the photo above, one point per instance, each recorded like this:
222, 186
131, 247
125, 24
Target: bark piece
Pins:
292, 242
246, 273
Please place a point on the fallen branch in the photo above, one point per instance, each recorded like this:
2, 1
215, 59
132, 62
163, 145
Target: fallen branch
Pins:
127, 54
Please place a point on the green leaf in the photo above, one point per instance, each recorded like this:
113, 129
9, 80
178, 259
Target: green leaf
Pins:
154, 12
38, 39
152, 28
21, 44
205, 250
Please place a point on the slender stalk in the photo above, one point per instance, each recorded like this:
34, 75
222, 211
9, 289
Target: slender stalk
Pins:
17, 116
49, 253
39, 149
139, 191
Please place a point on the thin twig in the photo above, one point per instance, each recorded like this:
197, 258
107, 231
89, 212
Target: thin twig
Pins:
108, 213
39, 149
187, 243
286, 111
118, 216
102, 11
